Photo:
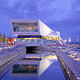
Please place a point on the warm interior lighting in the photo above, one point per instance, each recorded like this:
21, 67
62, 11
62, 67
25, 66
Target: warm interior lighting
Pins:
30, 38
72, 56
51, 38
32, 57
75, 53
50, 57
78, 59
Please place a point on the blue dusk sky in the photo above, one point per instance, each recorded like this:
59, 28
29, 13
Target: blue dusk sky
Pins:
59, 15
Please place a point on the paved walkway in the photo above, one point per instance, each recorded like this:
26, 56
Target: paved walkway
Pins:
8, 54
7, 58
71, 61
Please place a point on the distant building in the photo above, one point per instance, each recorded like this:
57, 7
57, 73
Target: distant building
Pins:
11, 40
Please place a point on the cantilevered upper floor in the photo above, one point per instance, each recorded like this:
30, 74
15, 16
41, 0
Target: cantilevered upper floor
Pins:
29, 27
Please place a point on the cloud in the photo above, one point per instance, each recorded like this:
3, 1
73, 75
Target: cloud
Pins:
52, 8
60, 15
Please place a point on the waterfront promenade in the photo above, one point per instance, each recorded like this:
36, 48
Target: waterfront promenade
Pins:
69, 60
9, 56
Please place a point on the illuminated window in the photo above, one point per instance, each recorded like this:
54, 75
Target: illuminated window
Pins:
23, 68
25, 27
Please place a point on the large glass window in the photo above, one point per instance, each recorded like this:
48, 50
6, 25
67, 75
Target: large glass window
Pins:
23, 68
25, 27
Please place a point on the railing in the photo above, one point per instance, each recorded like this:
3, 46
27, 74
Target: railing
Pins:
10, 56
68, 61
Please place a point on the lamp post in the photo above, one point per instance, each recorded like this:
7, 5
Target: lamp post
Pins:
69, 39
